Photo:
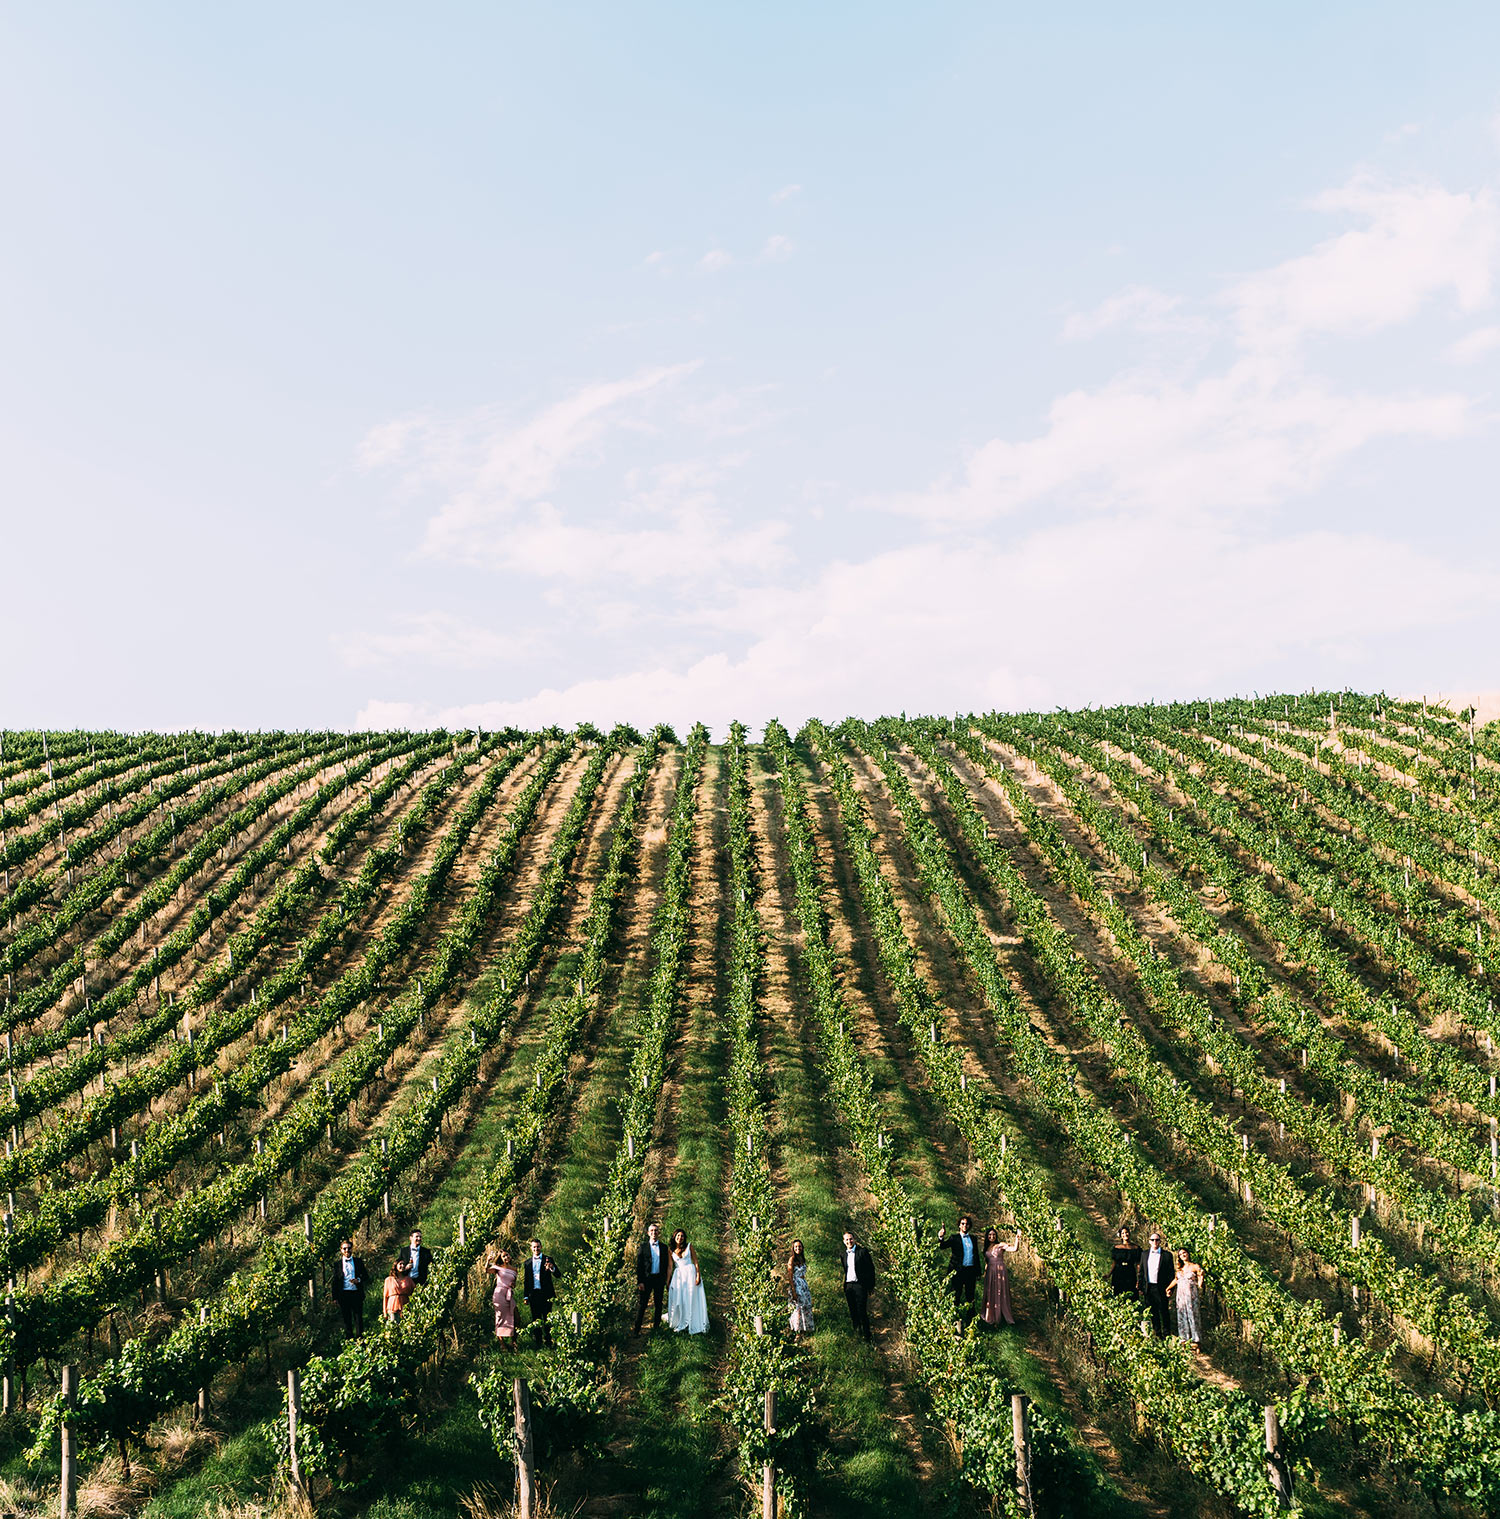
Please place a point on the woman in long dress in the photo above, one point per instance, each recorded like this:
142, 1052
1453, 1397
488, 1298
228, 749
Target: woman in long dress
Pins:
503, 1297
997, 1279
799, 1294
687, 1302
398, 1287
1188, 1285
1125, 1264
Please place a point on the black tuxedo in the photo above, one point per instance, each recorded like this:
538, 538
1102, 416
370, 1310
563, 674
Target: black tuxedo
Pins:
419, 1269
857, 1292
964, 1277
539, 1296
351, 1301
1154, 1294
650, 1284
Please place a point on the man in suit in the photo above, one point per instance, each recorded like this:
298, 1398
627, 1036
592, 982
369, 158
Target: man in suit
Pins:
1156, 1272
858, 1273
652, 1266
537, 1279
417, 1259
349, 1289
965, 1262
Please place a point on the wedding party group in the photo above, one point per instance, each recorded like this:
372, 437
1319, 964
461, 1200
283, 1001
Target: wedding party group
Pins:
669, 1283
1156, 1277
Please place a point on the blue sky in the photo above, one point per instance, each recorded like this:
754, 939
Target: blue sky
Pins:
466, 363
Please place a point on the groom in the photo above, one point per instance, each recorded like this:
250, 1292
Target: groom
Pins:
651, 1269
538, 1288
965, 1261
858, 1272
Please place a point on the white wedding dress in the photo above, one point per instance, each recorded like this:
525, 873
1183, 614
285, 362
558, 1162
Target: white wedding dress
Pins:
687, 1302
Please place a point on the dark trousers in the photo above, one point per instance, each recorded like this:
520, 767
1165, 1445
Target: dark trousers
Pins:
964, 1281
352, 1307
857, 1295
652, 1287
1156, 1301
540, 1307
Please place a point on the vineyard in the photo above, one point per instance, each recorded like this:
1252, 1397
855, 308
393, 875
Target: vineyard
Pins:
1219, 969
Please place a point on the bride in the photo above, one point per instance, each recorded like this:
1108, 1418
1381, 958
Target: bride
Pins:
687, 1303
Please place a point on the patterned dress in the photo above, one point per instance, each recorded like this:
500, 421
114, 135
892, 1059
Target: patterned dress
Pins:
1187, 1303
801, 1296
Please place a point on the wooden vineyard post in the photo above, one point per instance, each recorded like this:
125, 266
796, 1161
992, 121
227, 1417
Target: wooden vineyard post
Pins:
68, 1497
1022, 1433
202, 1409
293, 1410
525, 1460
1278, 1468
8, 1391
768, 1471
463, 1241
312, 1280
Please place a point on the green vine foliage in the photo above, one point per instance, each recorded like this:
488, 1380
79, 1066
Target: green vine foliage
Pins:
1218, 1436
30, 1242
770, 1359
963, 1390
147, 1378
364, 1393
46, 1319
569, 1379
1448, 1450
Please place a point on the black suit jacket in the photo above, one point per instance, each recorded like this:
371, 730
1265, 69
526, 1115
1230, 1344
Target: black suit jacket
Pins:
954, 1245
360, 1279
548, 1291
643, 1272
864, 1267
419, 1268
1166, 1271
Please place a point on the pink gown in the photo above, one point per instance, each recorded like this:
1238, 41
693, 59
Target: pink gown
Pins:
996, 1288
504, 1300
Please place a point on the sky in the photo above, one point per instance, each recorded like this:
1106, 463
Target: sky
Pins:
483, 364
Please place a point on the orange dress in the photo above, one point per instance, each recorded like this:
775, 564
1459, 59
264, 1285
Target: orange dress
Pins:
397, 1290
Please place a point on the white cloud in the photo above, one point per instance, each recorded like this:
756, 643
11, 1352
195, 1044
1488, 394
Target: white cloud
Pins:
1115, 609
694, 543
715, 259
434, 638
662, 521
777, 249
1139, 307
489, 466
1262, 428
786, 192
1474, 345
1157, 573
1417, 241
1248, 437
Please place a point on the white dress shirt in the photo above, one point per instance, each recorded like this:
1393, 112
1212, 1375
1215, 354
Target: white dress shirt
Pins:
849, 1275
